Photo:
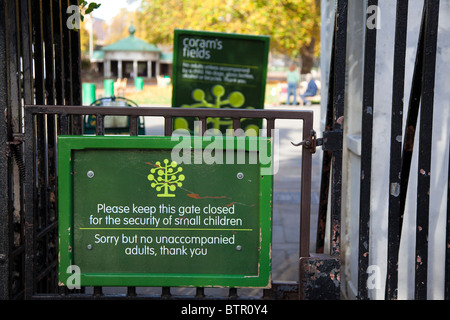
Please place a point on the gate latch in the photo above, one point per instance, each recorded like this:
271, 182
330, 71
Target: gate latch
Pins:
331, 141
309, 143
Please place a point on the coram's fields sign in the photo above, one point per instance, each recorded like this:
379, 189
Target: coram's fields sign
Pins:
219, 70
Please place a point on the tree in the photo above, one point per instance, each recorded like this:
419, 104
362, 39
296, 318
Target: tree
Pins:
119, 26
85, 10
84, 39
294, 26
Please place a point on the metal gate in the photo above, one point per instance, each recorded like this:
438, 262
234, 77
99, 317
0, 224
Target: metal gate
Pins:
61, 115
401, 139
40, 98
39, 64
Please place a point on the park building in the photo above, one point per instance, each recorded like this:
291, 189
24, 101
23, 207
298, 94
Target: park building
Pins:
132, 57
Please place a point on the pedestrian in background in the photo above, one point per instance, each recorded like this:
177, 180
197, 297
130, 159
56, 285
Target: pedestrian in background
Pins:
311, 89
293, 78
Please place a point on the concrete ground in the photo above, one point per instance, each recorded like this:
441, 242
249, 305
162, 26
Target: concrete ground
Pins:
286, 206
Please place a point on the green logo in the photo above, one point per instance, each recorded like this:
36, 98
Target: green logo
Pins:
168, 178
235, 99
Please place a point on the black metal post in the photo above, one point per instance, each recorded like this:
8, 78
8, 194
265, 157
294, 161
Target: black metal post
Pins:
5, 162
447, 239
425, 147
366, 156
394, 225
338, 104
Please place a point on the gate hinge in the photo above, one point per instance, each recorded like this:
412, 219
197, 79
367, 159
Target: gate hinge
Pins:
331, 141
309, 143
18, 138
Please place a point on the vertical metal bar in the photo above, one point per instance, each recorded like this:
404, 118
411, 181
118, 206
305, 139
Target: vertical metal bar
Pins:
62, 49
366, 156
326, 157
270, 127
27, 54
18, 153
338, 103
14, 67
76, 75
59, 14
236, 124
49, 100
168, 126
68, 71
41, 134
98, 291
199, 293
204, 124
447, 239
100, 125
14, 113
131, 292
58, 24
133, 125
51, 210
62, 121
5, 163
232, 293
425, 147
66, 43
64, 125
305, 196
165, 292
236, 128
25, 85
394, 226
38, 40
411, 119
30, 200
47, 20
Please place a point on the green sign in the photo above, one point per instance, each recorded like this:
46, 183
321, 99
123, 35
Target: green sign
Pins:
219, 70
131, 215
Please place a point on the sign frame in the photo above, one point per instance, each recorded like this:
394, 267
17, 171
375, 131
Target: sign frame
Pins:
68, 144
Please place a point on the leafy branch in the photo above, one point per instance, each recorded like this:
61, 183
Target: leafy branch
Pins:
78, 13
89, 9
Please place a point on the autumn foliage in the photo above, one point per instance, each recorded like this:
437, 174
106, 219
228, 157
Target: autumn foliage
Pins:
294, 25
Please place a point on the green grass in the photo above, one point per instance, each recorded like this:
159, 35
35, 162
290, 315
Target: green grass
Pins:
154, 95
151, 95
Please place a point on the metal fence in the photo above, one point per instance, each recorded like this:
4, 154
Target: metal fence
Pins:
402, 138
410, 136
422, 93
39, 64
40, 97
40, 89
